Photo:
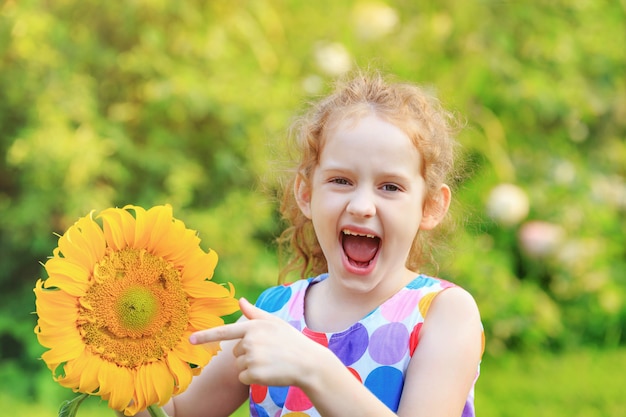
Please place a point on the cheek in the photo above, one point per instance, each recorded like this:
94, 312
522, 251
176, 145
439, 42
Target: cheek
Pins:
408, 223
327, 203
326, 212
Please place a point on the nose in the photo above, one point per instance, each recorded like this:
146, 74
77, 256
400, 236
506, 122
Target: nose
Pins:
362, 203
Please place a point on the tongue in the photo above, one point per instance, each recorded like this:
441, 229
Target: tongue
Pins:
360, 248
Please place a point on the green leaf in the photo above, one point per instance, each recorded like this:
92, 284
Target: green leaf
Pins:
69, 408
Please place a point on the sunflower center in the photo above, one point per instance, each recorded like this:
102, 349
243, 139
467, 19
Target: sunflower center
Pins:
136, 310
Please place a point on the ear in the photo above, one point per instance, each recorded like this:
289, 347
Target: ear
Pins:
436, 208
302, 192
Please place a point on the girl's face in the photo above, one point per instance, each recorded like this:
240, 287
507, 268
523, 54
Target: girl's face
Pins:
366, 202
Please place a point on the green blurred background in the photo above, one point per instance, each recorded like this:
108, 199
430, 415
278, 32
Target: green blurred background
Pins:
188, 102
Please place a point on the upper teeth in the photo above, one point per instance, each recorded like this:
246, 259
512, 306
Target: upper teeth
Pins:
348, 232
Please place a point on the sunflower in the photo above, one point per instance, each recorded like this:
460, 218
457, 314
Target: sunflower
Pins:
124, 292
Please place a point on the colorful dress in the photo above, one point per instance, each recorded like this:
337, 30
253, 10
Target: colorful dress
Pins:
377, 349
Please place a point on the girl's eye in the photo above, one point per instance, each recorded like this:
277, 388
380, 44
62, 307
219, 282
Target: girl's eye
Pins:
390, 187
340, 181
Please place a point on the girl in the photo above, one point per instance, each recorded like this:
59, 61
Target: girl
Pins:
368, 335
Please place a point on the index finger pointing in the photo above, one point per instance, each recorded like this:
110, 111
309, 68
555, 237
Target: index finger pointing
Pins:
217, 334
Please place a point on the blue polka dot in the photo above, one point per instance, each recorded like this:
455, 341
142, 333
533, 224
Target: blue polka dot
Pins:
386, 384
273, 299
421, 281
278, 395
258, 411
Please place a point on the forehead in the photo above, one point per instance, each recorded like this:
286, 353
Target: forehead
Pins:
368, 139
348, 117
352, 118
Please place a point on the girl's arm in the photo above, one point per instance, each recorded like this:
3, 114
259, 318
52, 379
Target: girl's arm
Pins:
216, 392
445, 363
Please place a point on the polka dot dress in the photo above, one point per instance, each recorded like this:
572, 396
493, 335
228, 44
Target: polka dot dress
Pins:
377, 349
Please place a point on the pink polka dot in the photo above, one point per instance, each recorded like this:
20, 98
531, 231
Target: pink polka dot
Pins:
296, 308
297, 400
446, 284
399, 308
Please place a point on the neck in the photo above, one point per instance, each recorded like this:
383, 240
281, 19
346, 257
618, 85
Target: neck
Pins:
334, 304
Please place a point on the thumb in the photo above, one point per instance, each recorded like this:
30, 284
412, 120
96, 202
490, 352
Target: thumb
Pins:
252, 312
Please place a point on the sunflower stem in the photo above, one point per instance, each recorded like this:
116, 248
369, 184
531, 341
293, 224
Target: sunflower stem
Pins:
70, 408
156, 411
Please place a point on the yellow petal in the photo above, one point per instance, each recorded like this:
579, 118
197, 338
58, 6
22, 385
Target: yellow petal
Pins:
201, 266
83, 243
142, 231
55, 306
65, 267
60, 339
159, 220
200, 320
181, 371
195, 354
116, 385
70, 349
52, 299
153, 385
82, 373
201, 289
72, 287
187, 244
119, 228
66, 275
162, 381
73, 251
94, 238
204, 309
49, 326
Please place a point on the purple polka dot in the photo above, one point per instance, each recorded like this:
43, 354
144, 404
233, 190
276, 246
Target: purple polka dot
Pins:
386, 384
296, 324
350, 345
389, 343
468, 410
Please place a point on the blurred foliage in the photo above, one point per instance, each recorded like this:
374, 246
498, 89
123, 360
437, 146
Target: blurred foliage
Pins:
548, 385
154, 101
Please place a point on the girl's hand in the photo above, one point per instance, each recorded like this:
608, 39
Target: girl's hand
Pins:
270, 351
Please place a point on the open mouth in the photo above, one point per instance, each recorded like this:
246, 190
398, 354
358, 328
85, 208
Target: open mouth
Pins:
360, 249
